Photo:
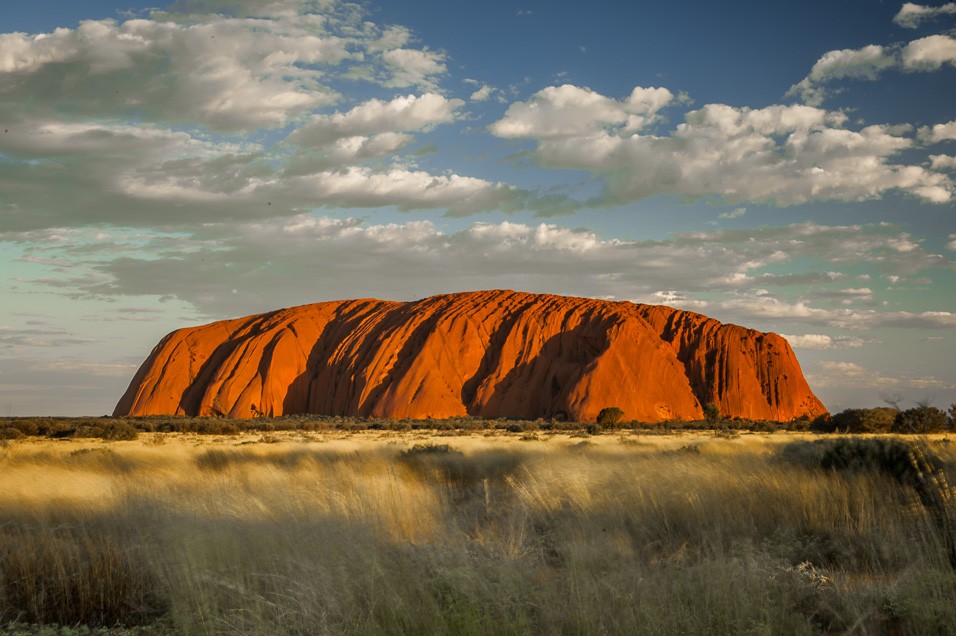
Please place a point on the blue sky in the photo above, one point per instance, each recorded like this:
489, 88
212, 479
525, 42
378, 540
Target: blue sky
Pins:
785, 166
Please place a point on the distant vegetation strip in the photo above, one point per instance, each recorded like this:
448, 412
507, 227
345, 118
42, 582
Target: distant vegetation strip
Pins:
918, 420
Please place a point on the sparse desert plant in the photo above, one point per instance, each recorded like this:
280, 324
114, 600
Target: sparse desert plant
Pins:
156, 439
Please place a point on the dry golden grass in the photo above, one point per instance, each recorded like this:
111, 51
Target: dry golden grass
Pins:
396, 533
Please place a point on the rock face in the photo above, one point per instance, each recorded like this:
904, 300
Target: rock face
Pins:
487, 354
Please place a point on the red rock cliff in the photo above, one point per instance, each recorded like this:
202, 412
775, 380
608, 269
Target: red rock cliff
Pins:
488, 354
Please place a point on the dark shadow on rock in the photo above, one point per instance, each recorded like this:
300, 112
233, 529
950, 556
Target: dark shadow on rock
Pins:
191, 400
540, 387
303, 394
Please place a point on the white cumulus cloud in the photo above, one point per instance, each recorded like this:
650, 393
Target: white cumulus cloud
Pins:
226, 73
570, 111
910, 14
401, 114
822, 342
782, 155
412, 67
930, 53
863, 63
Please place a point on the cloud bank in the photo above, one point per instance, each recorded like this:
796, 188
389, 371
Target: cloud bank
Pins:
781, 155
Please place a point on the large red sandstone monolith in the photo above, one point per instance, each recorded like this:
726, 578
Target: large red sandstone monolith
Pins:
487, 354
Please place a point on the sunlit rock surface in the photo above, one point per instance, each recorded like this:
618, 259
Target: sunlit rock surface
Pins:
487, 353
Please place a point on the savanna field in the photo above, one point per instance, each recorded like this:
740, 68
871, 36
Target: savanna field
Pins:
331, 531
518, 318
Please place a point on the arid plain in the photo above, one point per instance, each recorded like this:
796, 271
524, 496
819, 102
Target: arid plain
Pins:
470, 532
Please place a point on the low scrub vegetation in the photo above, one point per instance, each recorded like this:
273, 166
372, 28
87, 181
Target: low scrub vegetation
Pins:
919, 420
609, 420
383, 532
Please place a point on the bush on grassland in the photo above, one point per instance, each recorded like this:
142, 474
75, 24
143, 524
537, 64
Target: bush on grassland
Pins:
920, 420
27, 427
109, 430
610, 416
429, 450
712, 413
875, 420
118, 431
888, 456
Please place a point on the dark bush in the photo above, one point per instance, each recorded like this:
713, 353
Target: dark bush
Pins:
86, 431
216, 460
118, 431
875, 420
712, 413
49, 427
822, 424
464, 473
806, 454
888, 456
11, 433
429, 449
920, 420
610, 416
216, 427
27, 427
912, 464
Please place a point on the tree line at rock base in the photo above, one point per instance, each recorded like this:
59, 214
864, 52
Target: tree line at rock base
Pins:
917, 420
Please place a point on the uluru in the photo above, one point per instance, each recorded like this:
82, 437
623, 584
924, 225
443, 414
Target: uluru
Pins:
486, 354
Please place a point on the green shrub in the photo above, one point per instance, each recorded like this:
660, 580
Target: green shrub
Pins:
86, 431
920, 420
888, 456
27, 427
10, 433
712, 413
822, 424
216, 427
875, 420
118, 431
50, 427
429, 449
609, 416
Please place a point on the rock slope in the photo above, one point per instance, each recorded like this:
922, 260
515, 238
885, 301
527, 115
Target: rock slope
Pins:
487, 354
